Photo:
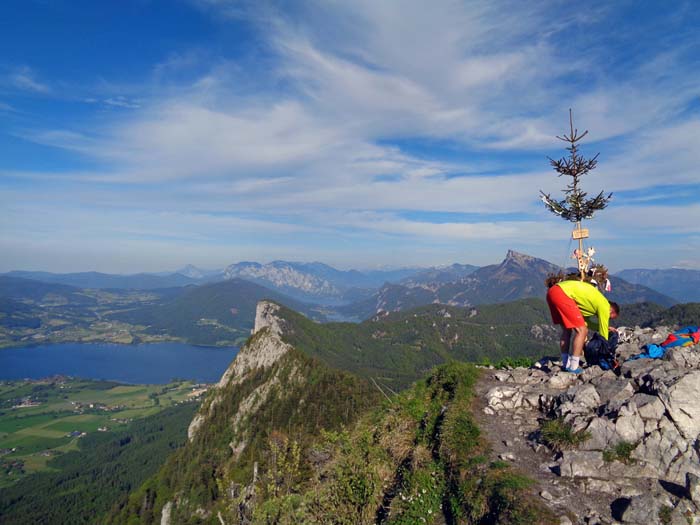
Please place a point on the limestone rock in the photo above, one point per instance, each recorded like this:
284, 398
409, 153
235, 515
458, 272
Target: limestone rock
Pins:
502, 376
649, 407
681, 402
504, 398
642, 509
613, 390
562, 380
683, 357
629, 428
546, 495
603, 434
575, 463
652, 405
165, 513
194, 426
265, 317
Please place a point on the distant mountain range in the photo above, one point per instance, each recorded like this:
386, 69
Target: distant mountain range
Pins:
433, 277
314, 281
97, 280
309, 282
518, 276
356, 293
18, 289
211, 313
683, 285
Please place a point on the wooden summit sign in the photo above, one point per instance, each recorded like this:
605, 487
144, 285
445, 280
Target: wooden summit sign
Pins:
581, 233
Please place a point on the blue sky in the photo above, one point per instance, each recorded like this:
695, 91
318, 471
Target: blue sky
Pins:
143, 135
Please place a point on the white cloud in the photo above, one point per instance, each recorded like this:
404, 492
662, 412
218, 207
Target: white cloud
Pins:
25, 79
311, 133
122, 102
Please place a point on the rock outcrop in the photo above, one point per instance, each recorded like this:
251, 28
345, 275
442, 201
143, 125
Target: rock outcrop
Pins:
263, 350
271, 393
640, 429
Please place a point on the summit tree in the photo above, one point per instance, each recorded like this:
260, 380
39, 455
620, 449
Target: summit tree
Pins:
576, 205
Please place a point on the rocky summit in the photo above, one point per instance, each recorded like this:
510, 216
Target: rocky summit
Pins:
308, 425
605, 448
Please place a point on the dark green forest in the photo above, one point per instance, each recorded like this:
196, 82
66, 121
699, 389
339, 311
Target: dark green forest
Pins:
306, 398
401, 347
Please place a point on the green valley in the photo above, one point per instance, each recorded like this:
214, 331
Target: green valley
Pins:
216, 314
401, 347
43, 420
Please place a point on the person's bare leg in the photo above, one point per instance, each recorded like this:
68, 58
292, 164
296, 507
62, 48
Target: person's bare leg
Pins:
580, 334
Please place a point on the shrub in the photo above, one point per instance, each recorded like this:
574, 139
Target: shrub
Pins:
665, 515
515, 362
498, 496
420, 498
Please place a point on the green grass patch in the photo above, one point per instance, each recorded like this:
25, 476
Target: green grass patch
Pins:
621, 452
45, 427
83, 422
10, 424
560, 435
29, 444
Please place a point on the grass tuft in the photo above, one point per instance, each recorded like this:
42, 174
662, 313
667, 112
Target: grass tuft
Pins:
621, 452
560, 435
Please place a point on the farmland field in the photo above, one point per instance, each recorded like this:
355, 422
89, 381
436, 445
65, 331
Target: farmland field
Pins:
40, 420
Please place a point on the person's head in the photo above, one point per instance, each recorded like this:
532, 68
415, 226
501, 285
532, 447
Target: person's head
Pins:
614, 310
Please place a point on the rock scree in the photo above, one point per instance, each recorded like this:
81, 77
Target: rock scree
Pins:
624, 448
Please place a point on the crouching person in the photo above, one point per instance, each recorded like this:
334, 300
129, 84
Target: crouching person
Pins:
572, 304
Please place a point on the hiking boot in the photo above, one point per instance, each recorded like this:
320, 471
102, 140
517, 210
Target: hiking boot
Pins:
576, 371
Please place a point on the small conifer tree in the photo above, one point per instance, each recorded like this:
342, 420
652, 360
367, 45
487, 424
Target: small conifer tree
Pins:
576, 205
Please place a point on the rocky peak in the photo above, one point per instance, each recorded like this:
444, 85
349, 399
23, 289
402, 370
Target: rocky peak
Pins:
265, 317
262, 350
638, 455
191, 271
283, 276
522, 261
518, 257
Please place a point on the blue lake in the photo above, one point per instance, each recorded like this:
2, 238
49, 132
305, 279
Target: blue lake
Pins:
154, 363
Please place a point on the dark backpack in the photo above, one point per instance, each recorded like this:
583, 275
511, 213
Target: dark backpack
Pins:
601, 352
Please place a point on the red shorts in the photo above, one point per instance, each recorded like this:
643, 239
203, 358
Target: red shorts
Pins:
564, 309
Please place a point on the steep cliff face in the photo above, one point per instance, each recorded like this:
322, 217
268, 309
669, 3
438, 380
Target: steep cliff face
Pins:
270, 394
262, 351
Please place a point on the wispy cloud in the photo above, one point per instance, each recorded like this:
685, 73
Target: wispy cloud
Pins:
332, 134
122, 102
24, 78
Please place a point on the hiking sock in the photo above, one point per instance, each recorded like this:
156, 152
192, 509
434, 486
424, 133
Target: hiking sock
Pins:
573, 362
564, 359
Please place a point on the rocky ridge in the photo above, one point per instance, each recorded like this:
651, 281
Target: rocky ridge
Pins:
270, 394
639, 456
260, 352
283, 276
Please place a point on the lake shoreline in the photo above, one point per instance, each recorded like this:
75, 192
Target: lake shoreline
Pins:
15, 346
143, 363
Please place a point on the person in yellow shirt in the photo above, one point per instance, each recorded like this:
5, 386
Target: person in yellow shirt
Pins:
572, 304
